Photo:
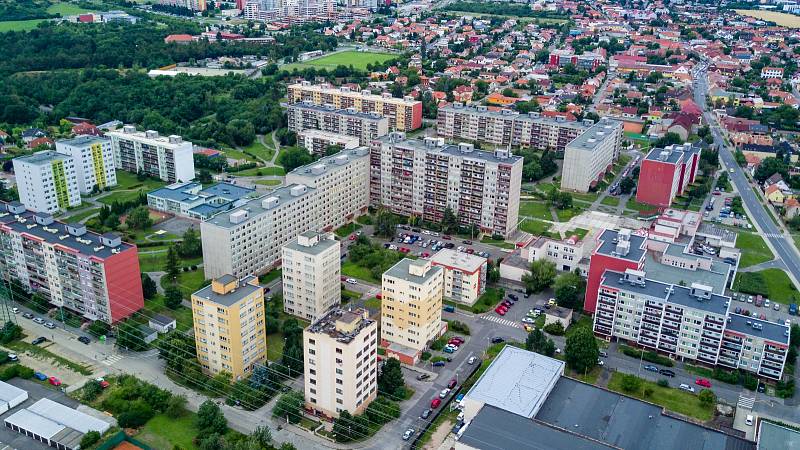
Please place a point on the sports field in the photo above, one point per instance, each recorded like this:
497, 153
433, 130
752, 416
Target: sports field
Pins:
782, 19
358, 60
19, 25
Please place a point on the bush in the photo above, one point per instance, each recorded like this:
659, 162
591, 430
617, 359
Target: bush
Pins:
425, 356
91, 391
458, 327
785, 390
648, 391
176, 407
652, 357
630, 383
138, 413
707, 397
89, 439
555, 328
16, 370
439, 344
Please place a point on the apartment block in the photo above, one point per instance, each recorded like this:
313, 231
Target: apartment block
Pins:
47, 181
687, 322
94, 161
341, 362
307, 115
92, 275
464, 275
506, 127
317, 142
411, 308
229, 329
248, 239
617, 251
311, 270
590, 156
168, 158
667, 171
422, 178
404, 114
194, 5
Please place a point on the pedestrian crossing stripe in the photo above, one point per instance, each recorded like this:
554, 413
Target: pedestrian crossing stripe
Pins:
111, 360
501, 321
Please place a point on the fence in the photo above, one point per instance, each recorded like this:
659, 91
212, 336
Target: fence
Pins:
119, 438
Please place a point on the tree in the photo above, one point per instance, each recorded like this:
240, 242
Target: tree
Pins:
770, 166
39, 303
669, 139
176, 406
149, 288
172, 263
539, 343
449, 221
385, 223
130, 337
390, 380
293, 158
348, 428
493, 272
98, 328
139, 218
191, 246
580, 351
10, 332
210, 419
289, 407
569, 290
707, 397
173, 296
626, 185
542, 275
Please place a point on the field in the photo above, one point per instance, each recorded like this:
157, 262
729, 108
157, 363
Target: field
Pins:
673, 399
537, 210
782, 19
66, 9
358, 60
754, 250
19, 25
771, 283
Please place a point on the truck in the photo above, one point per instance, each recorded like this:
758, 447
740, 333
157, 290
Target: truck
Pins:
793, 309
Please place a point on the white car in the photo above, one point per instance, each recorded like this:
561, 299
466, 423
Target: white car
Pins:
444, 393
686, 387
471, 360
351, 281
528, 320
558, 351
600, 362
731, 170
407, 435
15, 310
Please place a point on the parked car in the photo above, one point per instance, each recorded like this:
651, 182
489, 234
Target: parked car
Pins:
84, 340
435, 403
777, 307
456, 340
471, 360
425, 414
686, 387
513, 297
407, 435
38, 340
27, 315
54, 381
600, 362
507, 303
497, 340
452, 384
528, 320
449, 349
501, 311
15, 310
651, 368
38, 320
13, 357
702, 382
351, 281
738, 310
39, 376
444, 393
603, 354
762, 387
50, 325
667, 373
437, 364
423, 376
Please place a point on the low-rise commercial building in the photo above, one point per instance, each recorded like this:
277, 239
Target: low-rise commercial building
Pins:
195, 202
422, 178
591, 155
94, 161
54, 424
168, 158
229, 326
47, 181
304, 116
464, 275
311, 268
404, 114
665, 174
340, 351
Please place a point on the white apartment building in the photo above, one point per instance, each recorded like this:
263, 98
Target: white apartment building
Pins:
341, 364
307, 115
311, 268
422, 178
567, 254
94, 161
248, 239
317, 142
464, 275
168, 158
47, 181
591, 155
411, 308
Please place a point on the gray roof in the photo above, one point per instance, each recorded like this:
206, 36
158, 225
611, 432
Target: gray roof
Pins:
10, 392
177, 192
496, 429
676, 153
82, 141
330, 109
35, 423
227, 191
626, 422
282, 194
319, 247
67, 416
229, 299
400, 270
717, 277
160, 319
608, 246
43, 158
772, 331
511, 114
592, 138
321, 166
517, 381
452, 150
776, 437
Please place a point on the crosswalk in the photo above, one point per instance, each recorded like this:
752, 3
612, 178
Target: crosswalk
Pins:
746, 402
773, 235
111, 360
501, 321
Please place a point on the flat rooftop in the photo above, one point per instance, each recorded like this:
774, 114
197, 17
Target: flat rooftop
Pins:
608, 245
776, 437
283, 195
454, 259
82, 141
323, 165
317, 248
349, 112
227, 191
595, 136
401, 271
511, 114
43, 158
244, 290
517, 381
327, 324
717, 277
769, 330
422, 145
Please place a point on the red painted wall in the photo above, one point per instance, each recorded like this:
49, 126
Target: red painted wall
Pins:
124, 284
416, 120
599, 264
655, 183
694, 163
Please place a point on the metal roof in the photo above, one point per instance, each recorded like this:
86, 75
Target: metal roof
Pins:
68, 417
10, 392
775, 332
776, 437
34, 423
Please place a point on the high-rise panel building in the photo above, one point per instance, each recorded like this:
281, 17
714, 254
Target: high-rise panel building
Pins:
311, 268
47, 181
591, 155
666, 172
168, 158
94, 161
307, 115
194, 5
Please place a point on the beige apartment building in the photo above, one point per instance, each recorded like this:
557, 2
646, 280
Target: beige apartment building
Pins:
311, 269
411, 308
341, 362
464, 275
416, 177
229, 331
404, 114
321, 196
591, 155
307, 115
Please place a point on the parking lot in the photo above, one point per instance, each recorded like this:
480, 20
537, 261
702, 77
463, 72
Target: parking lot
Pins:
716, 213
747, 302
36, 392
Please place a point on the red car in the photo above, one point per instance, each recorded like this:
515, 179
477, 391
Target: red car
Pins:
343, 278
352, 237
501, 311
425, 255
404, 250
470, 251
702, 382
451, 384
446, 237
378, 296
435, 403
456, 340
104, 384
54, 381
716, 193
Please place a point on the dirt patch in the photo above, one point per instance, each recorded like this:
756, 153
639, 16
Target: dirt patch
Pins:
439, 435
125, 445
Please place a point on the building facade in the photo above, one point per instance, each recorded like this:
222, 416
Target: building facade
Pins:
229, 326
667, 172
47, 181
464, 275
194, 5
340, 351
617, 251
591, 155
94, 161
311, 269
167, 158
95, 276
411, 308
404, 114
195, 202
307, 115
318, 142
422, 178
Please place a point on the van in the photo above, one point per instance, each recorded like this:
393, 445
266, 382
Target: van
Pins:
749, 420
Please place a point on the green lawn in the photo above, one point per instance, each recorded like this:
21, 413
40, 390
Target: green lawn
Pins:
182, 314
754, 250
498, 243
270, 276
580, 232
358, 60
640, 207
20, 25
121, 196
347, 230
65, 9
154, 262
189, 282
537, 210
373, 303
275, 344
259, 171
259, 150
269, 182
535, 227
127, 180
165, 432
352, 270
772, 283
673, 399
564, 215
82, 215
238, 155
611, 201
588, 197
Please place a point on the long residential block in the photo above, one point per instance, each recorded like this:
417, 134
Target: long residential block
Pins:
415, 177
168, 158
666, 172
47, 181
404, 114
591, 155
94, 161
95, 276
307, 115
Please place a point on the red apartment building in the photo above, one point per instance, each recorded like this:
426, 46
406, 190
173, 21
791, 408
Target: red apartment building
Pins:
617, 251
666, 172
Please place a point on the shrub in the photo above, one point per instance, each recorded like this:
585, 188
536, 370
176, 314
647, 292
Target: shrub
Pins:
555, 328
138, 413
630, 383
439, 344
16, 370
425, 356
91, 391
89, 439
458, 327
707, 397
652, 357
648, 391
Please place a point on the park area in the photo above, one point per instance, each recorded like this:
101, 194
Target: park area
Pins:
62, 8
358, 60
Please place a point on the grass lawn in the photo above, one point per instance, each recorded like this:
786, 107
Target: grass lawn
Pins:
673, 399
121, 196
154, 262
259, 150
535, 227
358, 60
498, 243
189, 282
182, 314
165, 432
611, 201
640, 207
239, 155
65, 9
270, 276
373, 303
268, 182
537, 210
589, 377
127, 180
754, 250
352, 270
565, 214
42, 352
20, 25
772, 283
258, 172
275, 346
347, 230
588, 197
580, 232
83, 214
